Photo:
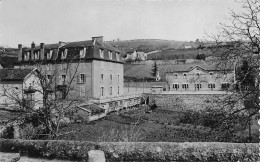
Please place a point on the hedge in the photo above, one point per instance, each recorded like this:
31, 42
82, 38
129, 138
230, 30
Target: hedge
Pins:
165, 151
51, 149
134, 151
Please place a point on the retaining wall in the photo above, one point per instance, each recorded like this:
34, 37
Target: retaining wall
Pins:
183, 101
135, 151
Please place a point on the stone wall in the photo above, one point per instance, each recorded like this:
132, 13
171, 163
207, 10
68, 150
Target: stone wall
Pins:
183, 101
134, 151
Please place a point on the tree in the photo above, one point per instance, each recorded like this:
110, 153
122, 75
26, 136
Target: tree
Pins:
154, 69
201, 57
237, 48
246, 76
54, 102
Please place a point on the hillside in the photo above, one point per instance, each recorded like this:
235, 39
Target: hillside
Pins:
146, 45
144, 69
174, 54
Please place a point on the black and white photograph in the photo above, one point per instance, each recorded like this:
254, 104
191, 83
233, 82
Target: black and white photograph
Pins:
129, 81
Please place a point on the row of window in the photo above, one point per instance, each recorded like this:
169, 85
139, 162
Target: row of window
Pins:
102, 90
37, 55
224, 85
197, 74
64, 53
81, 78
110, 54
111, 78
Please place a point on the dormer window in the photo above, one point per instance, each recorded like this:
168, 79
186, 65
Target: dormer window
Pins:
64, 54
101, 53
49, 54
82, 53
110, 55
117, 56
27, 55
36, 55
184, 75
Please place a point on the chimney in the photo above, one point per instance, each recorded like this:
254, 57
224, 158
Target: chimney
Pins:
33, 45
99, 39
20, 52
32, 52
61, 43
42, 51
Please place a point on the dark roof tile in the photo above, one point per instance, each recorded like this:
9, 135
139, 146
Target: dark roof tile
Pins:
14, 74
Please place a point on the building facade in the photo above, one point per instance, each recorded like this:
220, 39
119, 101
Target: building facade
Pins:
20, 88
198, 78
89, 69
134, 54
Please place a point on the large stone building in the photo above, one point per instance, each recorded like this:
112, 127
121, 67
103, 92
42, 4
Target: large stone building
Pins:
90, 69
203, 77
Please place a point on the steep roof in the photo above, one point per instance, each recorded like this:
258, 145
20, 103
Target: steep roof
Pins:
203, 65
131, 50
46, 46
79, 44
14, 74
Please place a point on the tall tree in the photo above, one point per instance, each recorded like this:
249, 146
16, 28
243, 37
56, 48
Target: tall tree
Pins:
154, 69
237, 48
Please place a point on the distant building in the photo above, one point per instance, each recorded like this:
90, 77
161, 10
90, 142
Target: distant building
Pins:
141, 55
20, 87
199, 77
187, 46
131, 54
136, 55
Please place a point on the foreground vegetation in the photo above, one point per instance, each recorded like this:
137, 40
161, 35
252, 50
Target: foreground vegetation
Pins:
156, 126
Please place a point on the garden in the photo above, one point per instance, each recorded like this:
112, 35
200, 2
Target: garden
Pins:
137, 124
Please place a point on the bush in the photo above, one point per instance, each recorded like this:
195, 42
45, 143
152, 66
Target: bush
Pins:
29, 132
201, 57
134, 151
165, 152
58, 149
122, 134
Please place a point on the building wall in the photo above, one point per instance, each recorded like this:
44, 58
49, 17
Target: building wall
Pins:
9, 93
141, 55
204, 79
183, 102
12, 92
33, 81
107, 68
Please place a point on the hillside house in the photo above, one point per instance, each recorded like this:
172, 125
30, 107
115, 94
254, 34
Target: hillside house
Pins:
131, 54
136, 54
199, 78
20, 87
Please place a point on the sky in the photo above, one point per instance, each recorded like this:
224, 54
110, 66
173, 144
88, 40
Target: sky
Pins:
51, 21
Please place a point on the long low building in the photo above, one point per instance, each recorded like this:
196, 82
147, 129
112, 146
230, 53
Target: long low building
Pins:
204, 77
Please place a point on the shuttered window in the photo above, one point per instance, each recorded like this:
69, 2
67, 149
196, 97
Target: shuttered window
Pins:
81, 78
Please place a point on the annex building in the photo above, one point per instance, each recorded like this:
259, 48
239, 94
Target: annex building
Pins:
199, 77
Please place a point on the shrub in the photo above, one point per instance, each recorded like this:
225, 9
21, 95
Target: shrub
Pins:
122, 134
